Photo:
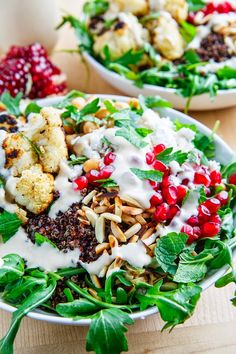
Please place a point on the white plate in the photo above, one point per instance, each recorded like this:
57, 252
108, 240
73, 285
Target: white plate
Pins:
223, 154
224, 98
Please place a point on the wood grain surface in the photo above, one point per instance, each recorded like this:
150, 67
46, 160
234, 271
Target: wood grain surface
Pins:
212, 329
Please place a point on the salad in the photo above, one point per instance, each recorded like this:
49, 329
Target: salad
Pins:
182, 44
108, 208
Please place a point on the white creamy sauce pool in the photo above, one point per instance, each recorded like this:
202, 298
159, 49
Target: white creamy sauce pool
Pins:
212, 66
3, 171
68, 194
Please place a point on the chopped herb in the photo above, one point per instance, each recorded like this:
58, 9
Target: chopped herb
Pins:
9, 225
130, 134
40, 239
191, 57
32, 107
34, 147
167, 156
130, 57
2, 181
188, 31
95, 7
226, 73
69, 97
77, 160
151, 175
153, 102
85, 114
195, 5
106, 142
12, 104
109, 106
144, 131
108, 183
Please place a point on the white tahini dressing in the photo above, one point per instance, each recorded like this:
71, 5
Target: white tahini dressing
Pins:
68, 195
212, 66
3, 171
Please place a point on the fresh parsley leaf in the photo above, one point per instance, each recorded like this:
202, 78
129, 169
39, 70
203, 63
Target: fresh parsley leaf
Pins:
153, 102
91, 107
85, 114
130, 134
40, 239
167, 156
32, 107
9, 225
151, 175
109, 106
12, 269
195, 5
191, 57
144, 131
168, 249
77, 160
187, 31
106, 332
175, 306
95, 7
12, 104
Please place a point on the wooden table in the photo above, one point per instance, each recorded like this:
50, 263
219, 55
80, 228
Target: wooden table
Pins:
212, 329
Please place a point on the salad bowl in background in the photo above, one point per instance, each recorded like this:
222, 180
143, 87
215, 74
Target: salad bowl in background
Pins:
224, 155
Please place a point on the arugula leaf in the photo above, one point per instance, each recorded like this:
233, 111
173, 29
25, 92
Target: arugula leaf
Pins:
166, 156
9, 225
192, 268
77, 160
151, 175
227, 222
81, 31
229, 169
187, 31
30, 303
144, 131
191, 57
77, 308
32, 107
226, 279
12, 104
130, 134
195, 5
109, 284
175, 306
106, 332
130, 57
153, 102
226, 73
168, 249
12, 268
95, 7
40, 239
127, 73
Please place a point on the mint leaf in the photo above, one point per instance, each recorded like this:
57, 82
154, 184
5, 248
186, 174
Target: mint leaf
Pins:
9, 225
95, 7
168, 249
106, 333
108, 183
40, 239
175, 306
144, 131
77, 160
131, 136
12, 104
32, 107
195, 5
151, 175
167, 156
187, 31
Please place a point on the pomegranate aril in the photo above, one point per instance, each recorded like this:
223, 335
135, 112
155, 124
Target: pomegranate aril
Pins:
109, 158
81, 183
158, 148
92, 176
156, 199
212, 204
173, 211
197, 231
223, 197
150, 157
203, 213
159, 166
215, 177
210, 229
181, 193
185, 181
161, 213
170, 194
193, 220
232, 179
216, 219
200, 178
105, 172
155, 185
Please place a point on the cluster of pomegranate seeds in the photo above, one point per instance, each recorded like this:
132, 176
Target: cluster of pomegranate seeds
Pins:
223, 8
29, 70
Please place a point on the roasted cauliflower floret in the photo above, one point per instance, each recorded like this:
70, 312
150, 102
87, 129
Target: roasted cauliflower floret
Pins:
126, 34
177, 8
45, 130
166, 37
34, 189
19, 153
136, 7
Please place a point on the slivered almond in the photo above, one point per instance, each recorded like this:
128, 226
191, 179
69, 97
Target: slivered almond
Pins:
111, 217
141, 219
103, 272
87, 199
91, 216
131, 201
100, 209
83, 221
117, 232
100, 229
112, 241
81, 212
95, 280
118, 262
101, 247
131, 210
132, 230
118, 205
128, 219
148, 233
133, 239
